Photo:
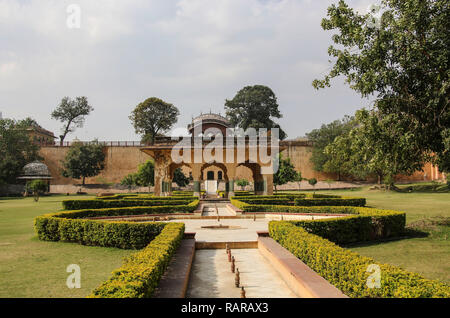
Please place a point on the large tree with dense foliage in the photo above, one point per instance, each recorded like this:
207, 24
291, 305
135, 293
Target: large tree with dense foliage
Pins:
72, 113
254, 107
83, 161
16, 149
180, 178
376, 146
324, 136
403, 62
153, 117
144, 177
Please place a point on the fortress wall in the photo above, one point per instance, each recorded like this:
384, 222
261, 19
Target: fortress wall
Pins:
121, 161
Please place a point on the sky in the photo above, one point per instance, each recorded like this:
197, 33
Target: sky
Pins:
190, 53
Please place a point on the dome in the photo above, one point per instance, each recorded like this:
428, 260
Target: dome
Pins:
210, 120
35, 170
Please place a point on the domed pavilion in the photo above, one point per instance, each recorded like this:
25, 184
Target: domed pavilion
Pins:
211, 144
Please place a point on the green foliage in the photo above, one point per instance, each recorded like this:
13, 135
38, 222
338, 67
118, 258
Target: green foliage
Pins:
179, 178
254, 107
403, 63
331, 201
15, 148
347, 270
141, 272
285, 173
102, 204
242, 183
84, 160
38, 187
144, 177
72, 113
324, 136
153, 117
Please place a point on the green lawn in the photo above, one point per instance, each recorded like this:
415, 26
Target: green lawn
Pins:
33, 268
425, 212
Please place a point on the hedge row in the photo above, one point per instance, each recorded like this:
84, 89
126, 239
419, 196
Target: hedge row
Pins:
141, 272
343, 201
143, 197
361, 224
348, 270
75, 214
101, 204
126, 235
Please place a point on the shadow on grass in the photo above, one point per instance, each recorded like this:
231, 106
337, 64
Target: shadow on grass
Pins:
409, 233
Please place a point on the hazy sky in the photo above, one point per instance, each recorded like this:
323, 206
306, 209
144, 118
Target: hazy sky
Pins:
191, 53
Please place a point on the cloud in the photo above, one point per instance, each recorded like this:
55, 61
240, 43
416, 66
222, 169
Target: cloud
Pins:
192, 53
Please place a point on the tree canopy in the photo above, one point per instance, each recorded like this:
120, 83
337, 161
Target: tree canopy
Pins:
153, 117
285, 173
180, 178
16, 149
254, 107
324, 136
402, 62
71, 112
83, 161
144, 177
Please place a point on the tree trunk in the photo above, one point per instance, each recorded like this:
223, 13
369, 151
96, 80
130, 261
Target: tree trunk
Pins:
84, 179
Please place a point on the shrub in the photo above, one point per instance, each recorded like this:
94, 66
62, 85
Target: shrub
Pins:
347, 270
343, 201
101, 204
141, 272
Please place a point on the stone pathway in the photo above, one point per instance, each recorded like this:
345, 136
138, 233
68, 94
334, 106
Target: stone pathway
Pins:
211, 276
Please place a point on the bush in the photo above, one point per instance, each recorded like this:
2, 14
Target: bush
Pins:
101, 204
126, 235
141, 272
347, 270
343, 201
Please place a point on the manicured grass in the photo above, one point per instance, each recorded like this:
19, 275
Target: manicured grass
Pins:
429, 255
33, 268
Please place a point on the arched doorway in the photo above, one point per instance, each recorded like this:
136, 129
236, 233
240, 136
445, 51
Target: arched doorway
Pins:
214, 173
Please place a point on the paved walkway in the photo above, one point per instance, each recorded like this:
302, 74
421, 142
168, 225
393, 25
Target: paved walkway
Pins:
211, 276
240, 229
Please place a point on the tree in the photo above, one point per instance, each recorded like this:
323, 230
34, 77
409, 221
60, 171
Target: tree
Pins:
285, 173
16, 149
381, 147
152, 117
313, 182
72, 113
402, 62
323, 137
37, 187
254, 107
339, 154
179, 178
84, 160
242, 183
298, 178
144, 177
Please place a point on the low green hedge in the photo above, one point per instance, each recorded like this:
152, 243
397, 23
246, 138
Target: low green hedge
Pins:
343, 201
141, 272
101, 204
126, 235
347, 270
267, 201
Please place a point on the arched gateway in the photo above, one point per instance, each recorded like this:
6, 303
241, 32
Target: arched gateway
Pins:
212, 144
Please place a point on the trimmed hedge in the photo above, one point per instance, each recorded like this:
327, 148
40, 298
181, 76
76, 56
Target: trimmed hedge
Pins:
101, 204
347, 270
126, 235
141, 272
343, 201
361, 224
302, 200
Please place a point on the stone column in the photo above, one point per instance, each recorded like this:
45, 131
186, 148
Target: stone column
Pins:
268, 184
231, 173
196, 175
162, 175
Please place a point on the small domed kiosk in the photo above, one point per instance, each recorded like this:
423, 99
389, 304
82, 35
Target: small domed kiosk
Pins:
36, 170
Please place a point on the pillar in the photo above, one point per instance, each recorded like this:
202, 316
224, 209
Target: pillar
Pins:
196, 175
231, 174
268, 184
